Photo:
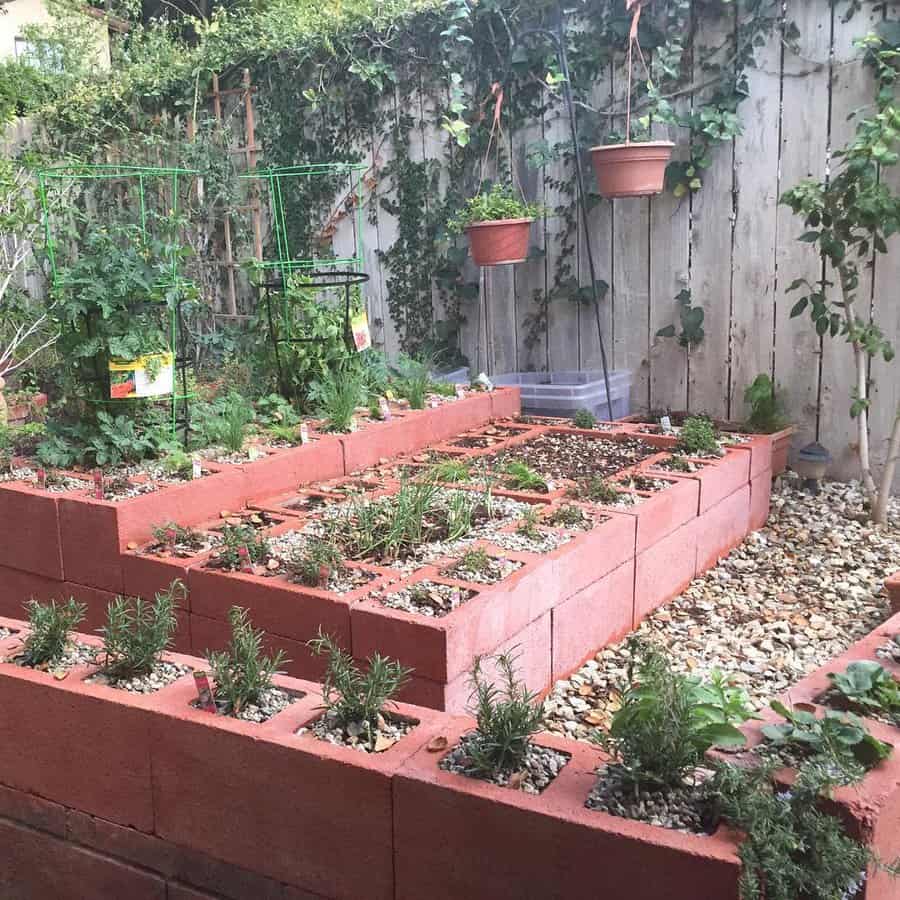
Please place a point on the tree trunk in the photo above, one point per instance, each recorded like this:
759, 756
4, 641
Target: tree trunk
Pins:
887, 476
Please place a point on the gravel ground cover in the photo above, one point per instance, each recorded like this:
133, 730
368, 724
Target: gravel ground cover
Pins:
791, 597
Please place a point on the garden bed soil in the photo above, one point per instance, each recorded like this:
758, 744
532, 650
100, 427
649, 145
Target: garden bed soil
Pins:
162, 674
355, 735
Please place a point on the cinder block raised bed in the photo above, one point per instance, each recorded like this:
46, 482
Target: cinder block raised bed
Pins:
29, 529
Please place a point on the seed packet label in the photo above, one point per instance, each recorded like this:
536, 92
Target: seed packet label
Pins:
359, 326
196, 468
205, 698
666, 423
385, 409
304, 433
152, 375
98, 484
42, 478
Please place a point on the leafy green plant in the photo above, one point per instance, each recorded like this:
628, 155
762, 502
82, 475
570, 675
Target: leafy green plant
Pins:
667, 721
315, 562
475, 560
172, 533
507, 716
698, 435
766, 416
691, 319
177, 463
226, 423
450, 471
412, 380
274, 411
137, 632
568, 515
838, 738
522, 477
336, 400
500, 202
237, 538
529, 524
584, 418
49, 625
354, 695
241, 672
866, 685
596, 490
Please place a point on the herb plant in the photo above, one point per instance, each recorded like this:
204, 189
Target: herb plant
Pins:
522, 477
867, 686
336, 400
137, 632
353, 695
766, 416
528, 524
698, 435
568, 515
241, 672
237, 537
584, 418
49, 625
172, 533
315, 562
412, 380
596, 490
500, 202
450, 471
507, 716
474, 560
225, 424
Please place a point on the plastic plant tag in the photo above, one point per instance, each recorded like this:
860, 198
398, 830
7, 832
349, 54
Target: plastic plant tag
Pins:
460, 392
41, 478
666, 424
434, 403
484, 382
151, 375
244, 557
171, 538
98, 484
385, 409
196, 468
253, 452
205, 699
304, 433
354, 426
359, 325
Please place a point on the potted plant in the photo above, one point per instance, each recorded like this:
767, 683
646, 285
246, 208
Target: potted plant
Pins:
626, 168
497, 223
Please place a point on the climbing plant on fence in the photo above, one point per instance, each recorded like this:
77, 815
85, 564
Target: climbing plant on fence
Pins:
334, 84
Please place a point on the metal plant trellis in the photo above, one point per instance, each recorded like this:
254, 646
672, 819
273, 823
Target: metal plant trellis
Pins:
125, 179
285, 261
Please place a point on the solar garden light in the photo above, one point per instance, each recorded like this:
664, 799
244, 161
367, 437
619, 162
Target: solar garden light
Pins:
810, 464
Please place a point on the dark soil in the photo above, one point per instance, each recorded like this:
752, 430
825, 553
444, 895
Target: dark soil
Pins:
575, 456
487, 438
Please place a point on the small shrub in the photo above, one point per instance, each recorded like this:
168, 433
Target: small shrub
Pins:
137, 632
286, 433
236, 537
584, 418
766, 415
698, 435
596, 490
352, 695
319, 556
668, 721
500, 202
507, 717
241, 672
225, 422
521, 477
49, 626
336, 400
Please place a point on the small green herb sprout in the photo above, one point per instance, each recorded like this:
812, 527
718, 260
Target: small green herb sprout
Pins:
354, 696
412, 380
584, 418
171, 533
522, 477
49, 627
237, 537
698, 435
137, 632
678, 464
314, 564
596, 490
450, 471
867, 686
569, 515
336, 399
241, 672
839, 738
475, 560
528, 524
507, 717
499, 203
177, 463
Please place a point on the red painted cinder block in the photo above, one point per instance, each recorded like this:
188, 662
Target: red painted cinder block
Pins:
506, 402
593, 618
459, 415
443, 822
722, 527
38, 866
89, 530
145, 575
719, 478
781, 448
760, 500
285, 811
17, 587
664, 570
29, 530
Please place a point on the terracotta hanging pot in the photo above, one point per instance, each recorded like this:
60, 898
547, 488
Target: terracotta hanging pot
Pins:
631, 170
499, 243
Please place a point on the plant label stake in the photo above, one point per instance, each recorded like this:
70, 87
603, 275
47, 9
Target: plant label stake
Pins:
434, 403
42, 479
254, 453
171, 536
385, 409
98, 484
244, 556
304, 433
666, 424
196, 468
324, 576
353, 424
460, 392
205, 699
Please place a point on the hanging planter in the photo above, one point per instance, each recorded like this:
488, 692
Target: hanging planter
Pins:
632, 169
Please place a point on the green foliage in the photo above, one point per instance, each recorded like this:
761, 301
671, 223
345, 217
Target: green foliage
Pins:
766, 416
353, 695
568, 515
412, 380
791, 850
699, 435
867, 686
529, 524
507, 716
173, 533
522, 477
273, 410
840, 739
474, 560
49, 625
319, 557
500, 202
336, 400
596, 490
177, 463
236, 539
137, 632
223, 423
451, 471
691, 318
241, 672
667, 721
584, 418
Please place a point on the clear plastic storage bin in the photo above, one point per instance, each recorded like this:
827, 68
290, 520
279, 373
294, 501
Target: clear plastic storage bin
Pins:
457, 376
564, 393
